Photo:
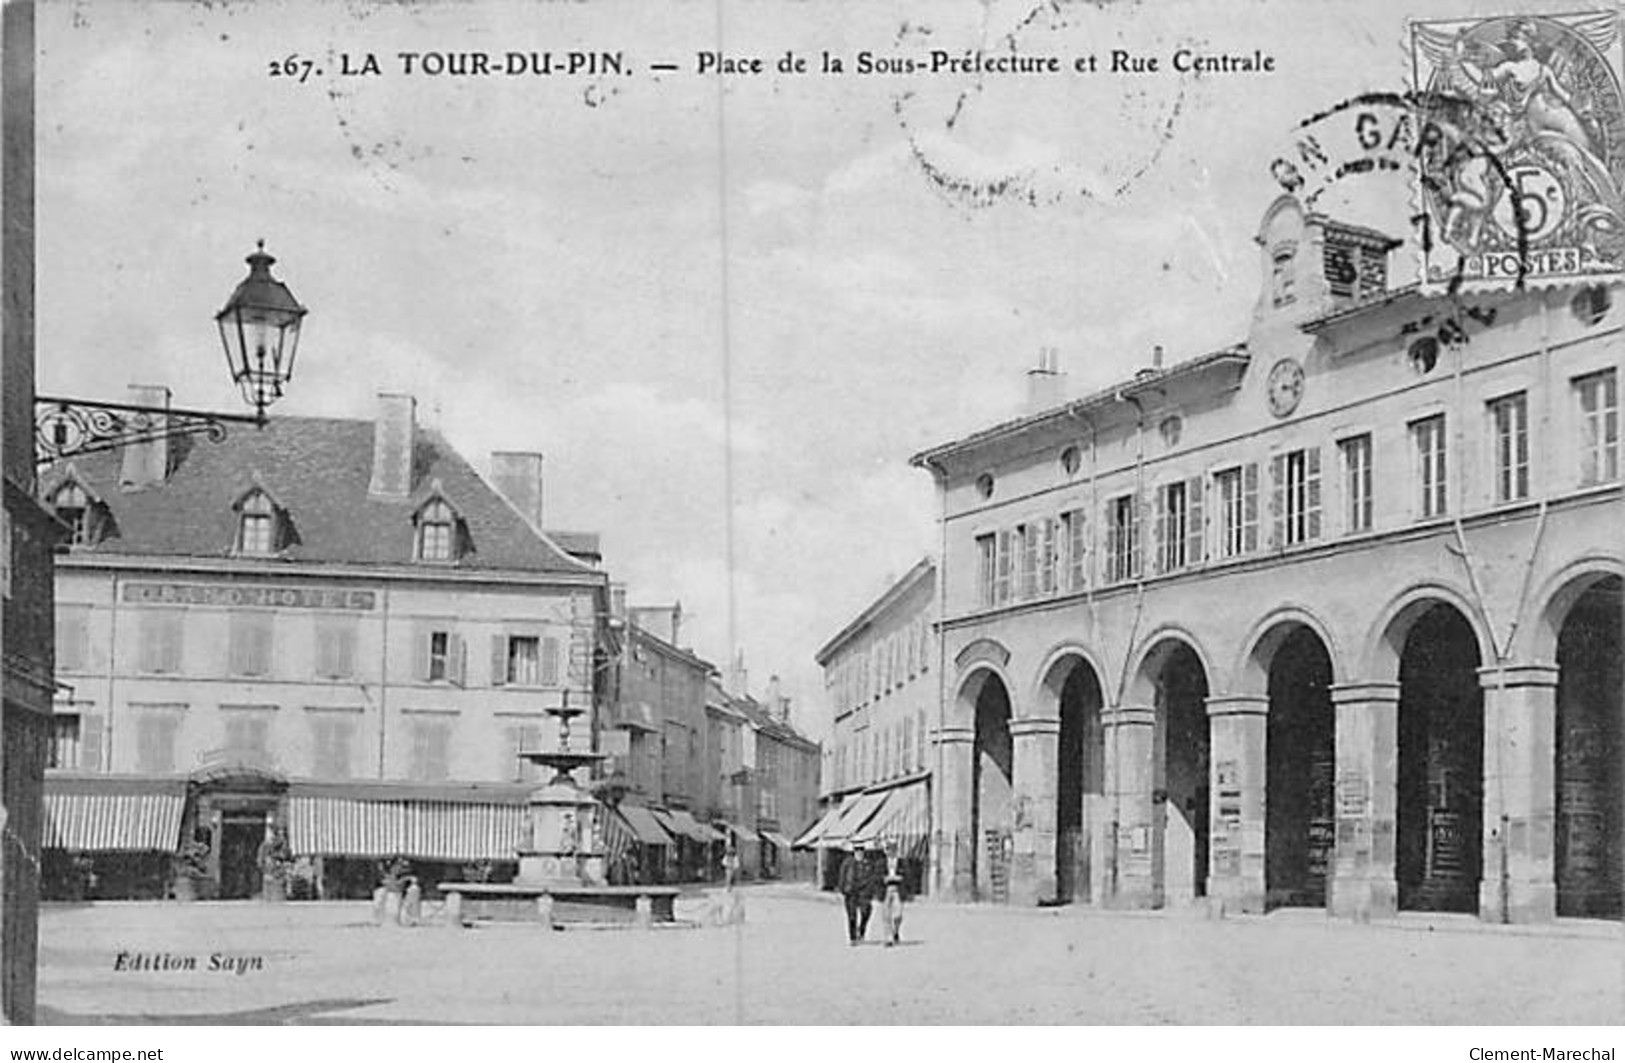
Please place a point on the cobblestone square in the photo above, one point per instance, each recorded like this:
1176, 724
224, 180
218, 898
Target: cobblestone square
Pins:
789, 964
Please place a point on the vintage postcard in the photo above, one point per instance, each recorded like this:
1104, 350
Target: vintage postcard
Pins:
735, 512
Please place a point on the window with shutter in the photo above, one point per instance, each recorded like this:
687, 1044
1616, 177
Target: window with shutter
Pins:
92, 740
331, 741
1194, 527
1427, 436
72, 638
1356, 483
161, 641
335, 647
247, 736
155, 742
1597, 395
431, 741
1027, 536
1075, 523
986, 571
64, 750
250, 644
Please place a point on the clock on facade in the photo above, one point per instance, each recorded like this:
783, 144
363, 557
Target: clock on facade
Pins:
1285, 386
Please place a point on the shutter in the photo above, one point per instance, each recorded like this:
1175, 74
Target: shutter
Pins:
1001, 577
1249, 506
261, 641
91, 733
457, 662
420, 652
1277, 508
499, 660
1312, 489
1080, 549
1193, 522
550, 662
238, 646
1159, 529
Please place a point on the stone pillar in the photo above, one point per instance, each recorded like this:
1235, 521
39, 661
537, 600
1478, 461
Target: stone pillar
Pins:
1238, 727
1130, 734
1362, 886
1032, 874
1520, 794
954, 834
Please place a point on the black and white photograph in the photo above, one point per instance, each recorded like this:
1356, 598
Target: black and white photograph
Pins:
813, 513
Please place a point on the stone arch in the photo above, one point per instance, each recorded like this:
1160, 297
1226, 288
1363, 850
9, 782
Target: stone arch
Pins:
1251, 672
1070, 691
961, 710
1140, 689
1043, 696
1558, 594
1385, 640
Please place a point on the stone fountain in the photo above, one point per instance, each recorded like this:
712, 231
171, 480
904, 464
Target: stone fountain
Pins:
561, 868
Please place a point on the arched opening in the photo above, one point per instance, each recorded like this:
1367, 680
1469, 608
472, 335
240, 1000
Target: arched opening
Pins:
1080, 786
1179, 795
1438, 852
992, 790
1300, 766
1590, 754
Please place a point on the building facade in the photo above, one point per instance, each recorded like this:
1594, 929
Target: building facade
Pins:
1331, 618
782, 768
329, 631
880, 679
28, 534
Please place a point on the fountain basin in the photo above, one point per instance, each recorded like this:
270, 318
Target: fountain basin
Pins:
558, 904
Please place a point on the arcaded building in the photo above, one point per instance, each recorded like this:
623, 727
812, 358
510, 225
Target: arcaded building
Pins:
1329, 618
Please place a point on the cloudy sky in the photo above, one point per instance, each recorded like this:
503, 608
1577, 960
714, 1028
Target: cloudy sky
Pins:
656, 277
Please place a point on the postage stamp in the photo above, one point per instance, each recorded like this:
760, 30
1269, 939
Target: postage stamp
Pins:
1537, 197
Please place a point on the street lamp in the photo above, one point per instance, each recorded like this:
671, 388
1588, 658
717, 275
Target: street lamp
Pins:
260, 330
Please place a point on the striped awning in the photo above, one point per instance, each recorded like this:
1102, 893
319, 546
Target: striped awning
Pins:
776, 838
618, 839
903, 821
678, 821
427, 830
643, 824
853, 818
124, 822
809, 837
741, 832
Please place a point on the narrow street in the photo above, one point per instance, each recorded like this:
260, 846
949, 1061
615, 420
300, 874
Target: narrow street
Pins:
789, 964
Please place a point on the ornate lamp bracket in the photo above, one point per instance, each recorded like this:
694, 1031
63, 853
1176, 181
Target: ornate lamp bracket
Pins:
67, 427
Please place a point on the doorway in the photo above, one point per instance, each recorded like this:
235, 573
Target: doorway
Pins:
241, 834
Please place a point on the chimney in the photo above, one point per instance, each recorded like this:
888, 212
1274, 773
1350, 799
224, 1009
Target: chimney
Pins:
147, 464
1044, 381
517, 476
617, 601
1156, 357
778, 706
393, 436
738, 676
661, 621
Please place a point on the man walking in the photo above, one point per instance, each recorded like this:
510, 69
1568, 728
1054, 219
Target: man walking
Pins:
856, 885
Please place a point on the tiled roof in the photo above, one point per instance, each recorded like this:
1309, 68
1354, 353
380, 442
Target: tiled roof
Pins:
318, 470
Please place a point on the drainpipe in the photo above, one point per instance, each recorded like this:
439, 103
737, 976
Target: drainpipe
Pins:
939, 792
383, 685
1133, 633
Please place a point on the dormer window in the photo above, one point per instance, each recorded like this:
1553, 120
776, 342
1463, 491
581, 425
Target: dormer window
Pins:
72, 508
257, 525
80, 510
439, 531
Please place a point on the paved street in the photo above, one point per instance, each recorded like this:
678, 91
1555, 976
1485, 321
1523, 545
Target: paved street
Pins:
790, 964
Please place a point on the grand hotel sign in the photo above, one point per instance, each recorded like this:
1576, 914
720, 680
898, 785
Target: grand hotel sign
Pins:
232, 595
